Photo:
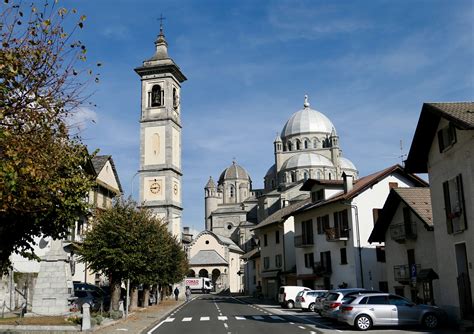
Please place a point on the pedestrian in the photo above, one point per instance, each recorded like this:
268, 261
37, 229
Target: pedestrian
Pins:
188, 294
176, 293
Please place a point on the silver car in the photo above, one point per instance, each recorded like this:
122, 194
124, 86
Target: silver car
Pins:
367, 310
305, 299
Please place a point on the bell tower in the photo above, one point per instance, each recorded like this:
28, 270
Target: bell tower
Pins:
160, 136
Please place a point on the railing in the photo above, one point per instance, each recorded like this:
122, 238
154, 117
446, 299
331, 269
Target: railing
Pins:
320, 269
333, 234
402, 273
403, 231
303, 241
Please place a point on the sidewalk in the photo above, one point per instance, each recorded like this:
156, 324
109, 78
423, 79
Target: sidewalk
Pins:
140, 320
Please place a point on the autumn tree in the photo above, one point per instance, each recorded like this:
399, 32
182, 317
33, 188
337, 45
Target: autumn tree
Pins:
43, 166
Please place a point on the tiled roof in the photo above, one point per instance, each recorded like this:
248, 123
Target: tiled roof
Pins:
460, 111
279, 215
99, 162
419, 200
207, 257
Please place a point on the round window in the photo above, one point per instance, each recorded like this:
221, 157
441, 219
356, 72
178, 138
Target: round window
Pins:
229, 227
207, 242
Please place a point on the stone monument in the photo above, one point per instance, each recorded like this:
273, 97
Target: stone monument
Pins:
54, 286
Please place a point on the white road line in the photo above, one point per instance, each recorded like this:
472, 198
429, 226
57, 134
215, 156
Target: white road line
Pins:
257, 317
204, 319
169, 320
292, 323
226, 326
301, 327
187, 319
275, 317
239, 318
222, 318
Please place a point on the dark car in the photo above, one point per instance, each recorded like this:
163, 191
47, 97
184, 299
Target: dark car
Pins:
95, 296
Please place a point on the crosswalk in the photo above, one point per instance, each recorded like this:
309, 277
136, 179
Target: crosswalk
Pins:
225, 318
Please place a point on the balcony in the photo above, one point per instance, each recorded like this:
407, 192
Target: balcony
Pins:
401, 273
302, 241
333, 234
321, 270
403, 231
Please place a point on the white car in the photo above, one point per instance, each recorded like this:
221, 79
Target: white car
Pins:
306, 299
287, 295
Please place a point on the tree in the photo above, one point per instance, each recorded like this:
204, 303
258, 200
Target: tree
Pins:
126, 242
43, 167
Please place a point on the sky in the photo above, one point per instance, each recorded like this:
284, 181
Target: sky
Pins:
367, 65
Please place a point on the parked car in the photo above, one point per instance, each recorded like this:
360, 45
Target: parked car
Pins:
338, 297
367, 310
318, 303
287, 295
96, 296
305, 299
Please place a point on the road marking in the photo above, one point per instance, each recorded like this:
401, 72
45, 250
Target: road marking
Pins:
292, 323
257, 317
222, 318
275, 317
239, 318
169, 320
204, 319
226, 326
187, 319
301, 327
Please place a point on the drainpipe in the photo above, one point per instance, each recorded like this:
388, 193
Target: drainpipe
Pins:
359, 249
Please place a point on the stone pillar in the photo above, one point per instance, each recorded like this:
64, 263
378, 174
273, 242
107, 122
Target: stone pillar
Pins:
54, 283
86, 317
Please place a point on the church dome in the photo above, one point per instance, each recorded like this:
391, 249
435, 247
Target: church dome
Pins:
307, 160
271, 171
346, 164
307, 121
234, 172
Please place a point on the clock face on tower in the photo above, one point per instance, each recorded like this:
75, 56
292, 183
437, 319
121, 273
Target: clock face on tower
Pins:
155, 188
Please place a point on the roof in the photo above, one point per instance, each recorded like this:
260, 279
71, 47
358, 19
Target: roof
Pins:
309, 183
234, 172
221, 239
99, 162
365, 183
207, 257
460, 114
253, 254
418, 199
281, 214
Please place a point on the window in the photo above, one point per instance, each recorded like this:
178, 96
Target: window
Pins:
156, 96
293, 176
454, 205
380, 253
326, 261
289, 146
309, 260
377, 300
231, 191
317, 195
399, 290
315, 143
446, 137
265, 240
307, 232
407, 221
305, 144
396, 300
266, 262
298, 145
305, 175
277, 237
383, 286
341, 223
343, 256
278, 260
322, 223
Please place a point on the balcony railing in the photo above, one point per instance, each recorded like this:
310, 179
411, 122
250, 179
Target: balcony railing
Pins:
402, 273
320, 269
403, 231
303, 241
333, 234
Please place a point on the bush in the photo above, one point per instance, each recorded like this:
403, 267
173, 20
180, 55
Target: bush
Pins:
75, 319
98, 318
115, 315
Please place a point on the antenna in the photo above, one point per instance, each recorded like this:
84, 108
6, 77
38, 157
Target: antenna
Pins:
402, 155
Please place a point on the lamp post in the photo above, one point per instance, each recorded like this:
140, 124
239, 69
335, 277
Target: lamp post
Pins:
131, 183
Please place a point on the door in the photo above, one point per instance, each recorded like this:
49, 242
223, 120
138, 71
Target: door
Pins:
381, 310
464, 282
404, 311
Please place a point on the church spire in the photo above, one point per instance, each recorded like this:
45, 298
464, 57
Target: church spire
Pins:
161, 44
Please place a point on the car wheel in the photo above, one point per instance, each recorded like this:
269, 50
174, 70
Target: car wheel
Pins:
430, 321
363, 322
290, 304
311, 307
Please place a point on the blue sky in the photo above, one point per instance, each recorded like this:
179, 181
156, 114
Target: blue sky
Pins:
367, 65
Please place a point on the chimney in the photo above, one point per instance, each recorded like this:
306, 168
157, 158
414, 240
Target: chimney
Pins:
186, 230
348, 182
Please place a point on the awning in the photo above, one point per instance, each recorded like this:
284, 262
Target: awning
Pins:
270, 273
427, 275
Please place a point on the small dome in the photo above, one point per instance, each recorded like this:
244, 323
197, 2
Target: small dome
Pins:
307, 121
210, 183
307, 160
234, 172
346, 164
271, 171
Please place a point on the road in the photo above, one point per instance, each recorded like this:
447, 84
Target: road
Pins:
228, 315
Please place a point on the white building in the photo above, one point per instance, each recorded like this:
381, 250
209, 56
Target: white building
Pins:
405, 227
443, 147
332, 232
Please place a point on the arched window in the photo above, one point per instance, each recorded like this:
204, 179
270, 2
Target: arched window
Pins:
298, 145
318, 175
231, 191
305, 175
293, 176
289, 146
329, 176
155, 144
175, 98
305, 144
315, 143
156, 96
203, 273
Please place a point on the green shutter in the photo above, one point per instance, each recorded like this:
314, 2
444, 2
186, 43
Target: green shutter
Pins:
447, 207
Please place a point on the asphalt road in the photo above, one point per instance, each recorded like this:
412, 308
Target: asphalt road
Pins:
229, 315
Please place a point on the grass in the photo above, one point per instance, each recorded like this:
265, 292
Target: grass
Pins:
51, 321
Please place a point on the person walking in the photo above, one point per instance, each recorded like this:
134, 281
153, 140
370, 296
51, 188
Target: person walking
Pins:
188, 294
176, 293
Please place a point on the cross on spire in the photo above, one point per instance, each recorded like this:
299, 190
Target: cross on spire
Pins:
161, 18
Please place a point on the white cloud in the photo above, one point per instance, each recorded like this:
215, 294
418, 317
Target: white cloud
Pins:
79, 119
